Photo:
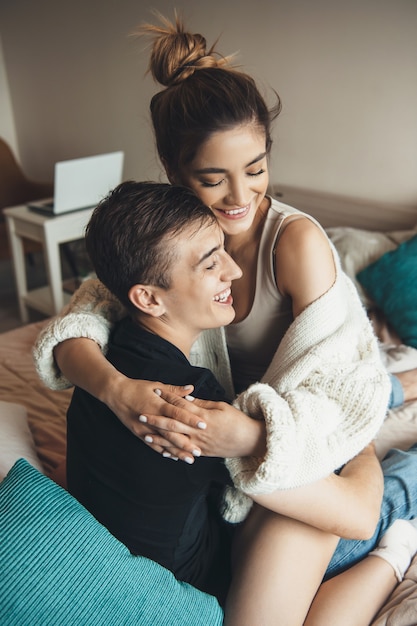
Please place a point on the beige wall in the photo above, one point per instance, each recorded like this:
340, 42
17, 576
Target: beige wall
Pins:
346, 72
7, 124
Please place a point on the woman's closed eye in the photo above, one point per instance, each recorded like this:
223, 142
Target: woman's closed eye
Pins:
206, 183
258, 173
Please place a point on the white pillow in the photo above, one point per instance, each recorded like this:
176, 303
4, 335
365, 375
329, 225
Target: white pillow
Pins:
359, 248
16, 440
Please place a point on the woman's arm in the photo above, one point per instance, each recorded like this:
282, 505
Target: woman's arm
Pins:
304, 263
82, 362
69, 351
346, 505
90, 315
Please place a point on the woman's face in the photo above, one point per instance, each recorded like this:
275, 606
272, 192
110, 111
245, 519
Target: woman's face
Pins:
230, 175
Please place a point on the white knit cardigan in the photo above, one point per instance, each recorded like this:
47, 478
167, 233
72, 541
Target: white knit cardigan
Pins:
323, 398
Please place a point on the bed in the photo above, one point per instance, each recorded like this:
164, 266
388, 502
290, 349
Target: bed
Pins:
32, 417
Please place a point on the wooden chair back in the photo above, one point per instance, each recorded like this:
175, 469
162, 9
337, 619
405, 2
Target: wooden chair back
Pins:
16, 188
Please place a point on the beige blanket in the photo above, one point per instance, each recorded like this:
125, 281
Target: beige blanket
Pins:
20, 383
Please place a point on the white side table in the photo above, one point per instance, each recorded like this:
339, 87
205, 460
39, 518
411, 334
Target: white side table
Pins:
50, 232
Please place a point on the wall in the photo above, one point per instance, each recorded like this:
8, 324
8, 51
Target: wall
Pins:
346, 72
7, 125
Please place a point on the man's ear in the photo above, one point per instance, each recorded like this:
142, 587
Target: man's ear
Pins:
147, 299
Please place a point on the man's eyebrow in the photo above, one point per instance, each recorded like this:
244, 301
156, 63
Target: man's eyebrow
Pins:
219, 170
206, 255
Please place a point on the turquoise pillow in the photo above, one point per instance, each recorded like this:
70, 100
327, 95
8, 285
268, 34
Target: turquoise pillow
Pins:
391, 282
58, 565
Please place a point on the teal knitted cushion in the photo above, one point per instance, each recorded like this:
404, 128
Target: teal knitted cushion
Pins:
391, 282
58, 565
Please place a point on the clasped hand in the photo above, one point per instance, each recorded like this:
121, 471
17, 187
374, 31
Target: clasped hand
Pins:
179, 426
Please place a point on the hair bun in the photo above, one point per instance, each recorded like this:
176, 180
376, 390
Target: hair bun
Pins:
177, 54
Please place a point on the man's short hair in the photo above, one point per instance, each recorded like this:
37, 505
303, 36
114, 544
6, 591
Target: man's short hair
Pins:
130, 237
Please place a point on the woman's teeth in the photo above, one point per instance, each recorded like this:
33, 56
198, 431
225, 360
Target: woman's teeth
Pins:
236, 211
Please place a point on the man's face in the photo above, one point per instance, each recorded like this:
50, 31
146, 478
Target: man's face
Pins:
201, 276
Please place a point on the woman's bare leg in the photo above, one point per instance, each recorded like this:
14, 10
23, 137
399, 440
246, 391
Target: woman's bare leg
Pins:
278, 566
354, 597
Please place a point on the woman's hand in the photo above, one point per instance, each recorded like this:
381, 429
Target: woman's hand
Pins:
132, 400
228, 431
167, 422
82, 362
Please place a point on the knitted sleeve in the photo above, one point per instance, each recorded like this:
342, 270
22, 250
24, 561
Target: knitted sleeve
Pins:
323, 398
91, 313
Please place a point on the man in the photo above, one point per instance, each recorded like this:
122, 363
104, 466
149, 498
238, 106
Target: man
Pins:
161, 252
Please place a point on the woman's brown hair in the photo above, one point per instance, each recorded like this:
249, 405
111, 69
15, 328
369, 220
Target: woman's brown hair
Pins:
203, 94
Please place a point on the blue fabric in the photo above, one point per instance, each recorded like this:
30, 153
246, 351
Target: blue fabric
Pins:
58, 565
399, 502
397, 393
391, 282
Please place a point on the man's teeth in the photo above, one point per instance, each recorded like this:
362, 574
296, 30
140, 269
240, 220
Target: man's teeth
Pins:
222, 297
236, 211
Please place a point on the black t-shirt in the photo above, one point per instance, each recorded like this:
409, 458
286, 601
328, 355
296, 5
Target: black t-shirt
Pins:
159, 508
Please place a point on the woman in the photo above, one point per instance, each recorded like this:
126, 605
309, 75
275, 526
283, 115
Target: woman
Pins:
223, 158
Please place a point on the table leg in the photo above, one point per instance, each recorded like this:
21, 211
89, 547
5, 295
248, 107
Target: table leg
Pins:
19, 266
53, 268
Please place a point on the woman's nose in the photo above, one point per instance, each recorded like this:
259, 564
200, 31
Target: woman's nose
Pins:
237, 195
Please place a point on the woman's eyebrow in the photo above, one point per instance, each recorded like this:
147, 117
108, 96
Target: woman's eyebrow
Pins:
256, 159
219, 170
210, 170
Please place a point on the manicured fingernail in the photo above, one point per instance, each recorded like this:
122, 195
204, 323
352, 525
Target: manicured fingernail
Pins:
148, 439
143, 418
189, 460
196, 453
167, 455
202, 425
158, 392
174, 458
187, 387
190, 398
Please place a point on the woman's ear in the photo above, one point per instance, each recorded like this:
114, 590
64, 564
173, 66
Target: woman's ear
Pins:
170, 174
146, 298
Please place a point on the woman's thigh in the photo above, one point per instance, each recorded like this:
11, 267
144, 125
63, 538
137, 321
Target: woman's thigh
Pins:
278, 565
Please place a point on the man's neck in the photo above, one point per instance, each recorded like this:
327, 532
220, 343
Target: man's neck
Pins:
178, 337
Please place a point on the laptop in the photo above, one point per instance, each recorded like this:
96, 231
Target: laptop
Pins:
82, 183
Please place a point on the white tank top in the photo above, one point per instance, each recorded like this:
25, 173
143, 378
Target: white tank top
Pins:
253, 341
